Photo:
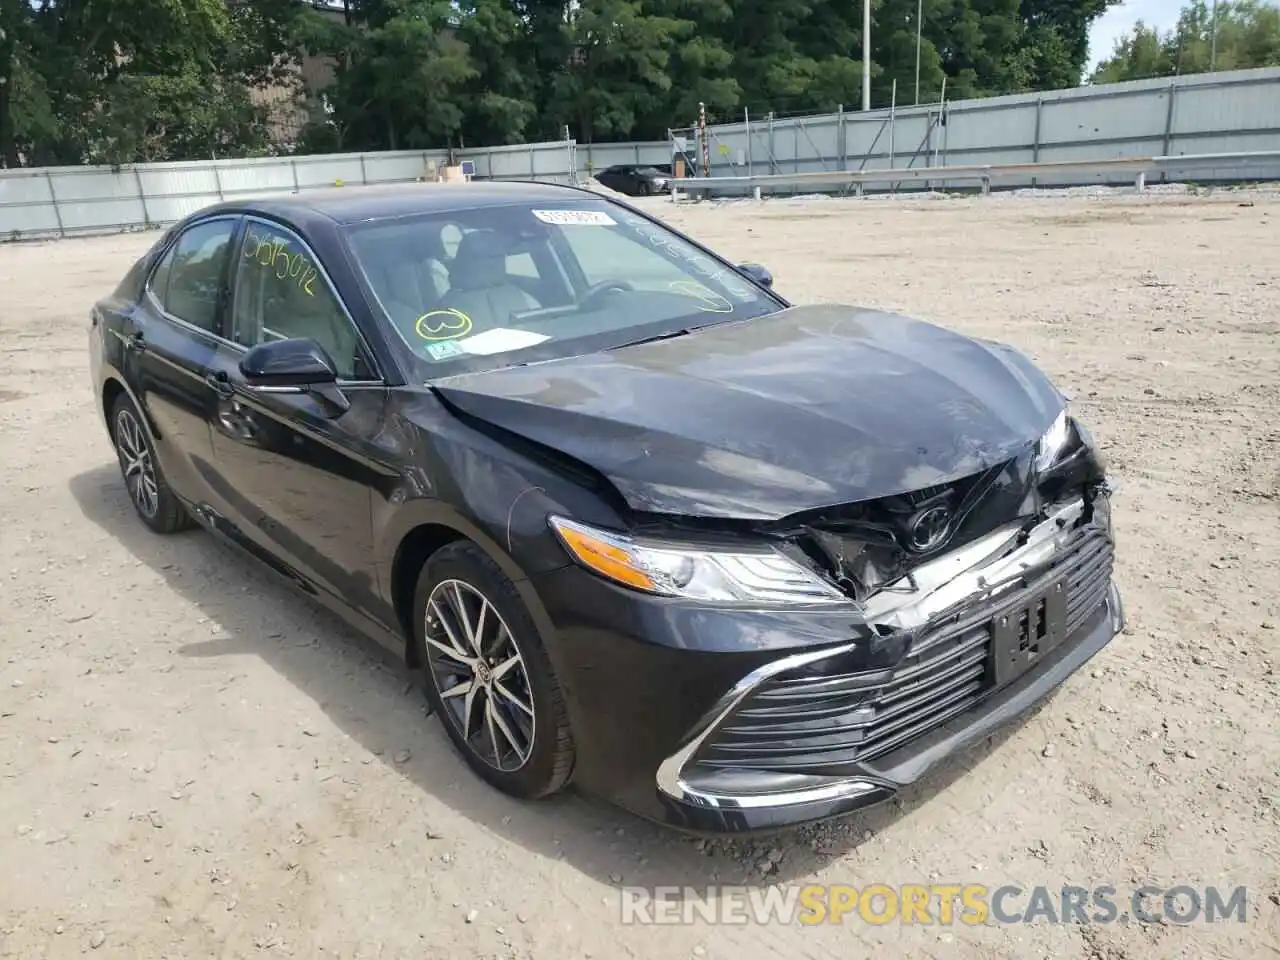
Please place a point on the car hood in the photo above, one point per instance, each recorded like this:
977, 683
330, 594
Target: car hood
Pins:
809, 407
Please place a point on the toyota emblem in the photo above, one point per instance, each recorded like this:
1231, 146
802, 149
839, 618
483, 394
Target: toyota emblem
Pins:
929, 529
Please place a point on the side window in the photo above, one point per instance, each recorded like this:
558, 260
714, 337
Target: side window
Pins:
189, 278
280, 295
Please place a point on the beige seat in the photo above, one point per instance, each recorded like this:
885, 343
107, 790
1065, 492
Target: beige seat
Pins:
407, 285
479, 285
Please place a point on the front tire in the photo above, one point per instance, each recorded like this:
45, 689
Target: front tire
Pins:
156, 505
487, 675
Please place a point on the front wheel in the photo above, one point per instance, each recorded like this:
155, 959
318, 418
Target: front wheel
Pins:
156, 504
487, 675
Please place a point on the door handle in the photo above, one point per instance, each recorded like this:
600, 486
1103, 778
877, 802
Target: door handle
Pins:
220, 383
136, 344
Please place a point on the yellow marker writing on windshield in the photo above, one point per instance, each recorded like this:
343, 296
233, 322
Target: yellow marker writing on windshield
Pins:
708, 300
444, 324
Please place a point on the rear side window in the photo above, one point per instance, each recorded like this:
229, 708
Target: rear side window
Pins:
189, 279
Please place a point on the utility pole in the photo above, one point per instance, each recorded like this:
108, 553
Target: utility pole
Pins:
704, 142
919, 21
1213, 37
866, 54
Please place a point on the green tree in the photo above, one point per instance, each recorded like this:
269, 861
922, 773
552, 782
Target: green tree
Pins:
402, 70
616, 66
1248, 35
701, 67
500, 99
109, 81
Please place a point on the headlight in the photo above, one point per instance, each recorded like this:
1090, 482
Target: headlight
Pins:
1055, 439
758, 575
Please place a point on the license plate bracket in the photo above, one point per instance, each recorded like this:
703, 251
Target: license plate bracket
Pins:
1023, 636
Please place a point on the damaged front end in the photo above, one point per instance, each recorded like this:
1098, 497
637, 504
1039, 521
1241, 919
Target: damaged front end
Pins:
973, 601
874, 545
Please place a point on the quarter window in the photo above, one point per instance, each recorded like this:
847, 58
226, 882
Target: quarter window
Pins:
188, 281
281, 295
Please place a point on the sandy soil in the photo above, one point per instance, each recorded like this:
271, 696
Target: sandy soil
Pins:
194, 762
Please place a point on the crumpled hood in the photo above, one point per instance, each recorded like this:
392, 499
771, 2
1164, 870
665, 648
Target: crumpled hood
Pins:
809, 407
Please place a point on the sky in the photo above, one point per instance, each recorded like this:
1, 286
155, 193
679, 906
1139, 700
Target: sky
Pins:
1119, 20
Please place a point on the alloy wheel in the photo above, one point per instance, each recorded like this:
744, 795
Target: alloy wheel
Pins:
137, 463
480, 675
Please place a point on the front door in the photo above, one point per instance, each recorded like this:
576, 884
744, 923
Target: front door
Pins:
298, 475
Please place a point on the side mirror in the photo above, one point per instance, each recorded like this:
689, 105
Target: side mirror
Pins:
759, 274
294, 366
300, 364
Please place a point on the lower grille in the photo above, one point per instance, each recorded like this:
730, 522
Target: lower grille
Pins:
807, 722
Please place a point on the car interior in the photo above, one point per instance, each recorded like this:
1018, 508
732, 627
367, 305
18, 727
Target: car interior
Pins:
440, 280
489, 275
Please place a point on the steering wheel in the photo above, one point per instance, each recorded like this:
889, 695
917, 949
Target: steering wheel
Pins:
604, 288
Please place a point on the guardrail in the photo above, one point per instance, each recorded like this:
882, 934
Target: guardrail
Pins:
1135, 168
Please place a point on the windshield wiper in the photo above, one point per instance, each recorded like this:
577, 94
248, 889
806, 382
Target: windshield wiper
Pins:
657, 336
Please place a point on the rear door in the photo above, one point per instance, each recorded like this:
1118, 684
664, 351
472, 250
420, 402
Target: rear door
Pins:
171, 344
298, 475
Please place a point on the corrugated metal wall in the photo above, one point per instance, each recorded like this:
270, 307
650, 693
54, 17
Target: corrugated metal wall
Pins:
80, 200
1208, 113
1205, 113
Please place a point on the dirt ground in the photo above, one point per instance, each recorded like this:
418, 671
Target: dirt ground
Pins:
195, 762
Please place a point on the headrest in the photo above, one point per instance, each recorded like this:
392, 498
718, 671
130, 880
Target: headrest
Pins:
482, 245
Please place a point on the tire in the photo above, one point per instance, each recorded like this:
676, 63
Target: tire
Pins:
462, 570
154, 502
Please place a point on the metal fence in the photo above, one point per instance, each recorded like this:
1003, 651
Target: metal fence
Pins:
71, 201
1209, 113
1203, 167
1231, 112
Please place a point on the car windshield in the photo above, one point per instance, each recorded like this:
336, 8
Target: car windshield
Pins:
493, 286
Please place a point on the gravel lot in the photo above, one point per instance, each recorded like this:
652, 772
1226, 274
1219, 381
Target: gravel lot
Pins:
195, 762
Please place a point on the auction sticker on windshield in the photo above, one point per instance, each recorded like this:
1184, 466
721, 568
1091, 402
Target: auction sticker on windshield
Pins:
575, 218
500, 340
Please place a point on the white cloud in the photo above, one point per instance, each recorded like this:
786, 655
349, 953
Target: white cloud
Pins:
1119, 21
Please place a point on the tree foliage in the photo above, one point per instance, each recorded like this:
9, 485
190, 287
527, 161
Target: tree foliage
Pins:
118, 80
1247, 35
107, 81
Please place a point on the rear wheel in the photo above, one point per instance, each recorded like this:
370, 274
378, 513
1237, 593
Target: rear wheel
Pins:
148, 490
487, 674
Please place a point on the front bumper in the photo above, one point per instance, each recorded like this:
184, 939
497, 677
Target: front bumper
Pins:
707, 809
722, 720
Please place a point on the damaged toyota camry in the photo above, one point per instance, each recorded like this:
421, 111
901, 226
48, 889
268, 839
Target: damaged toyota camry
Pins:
641, 524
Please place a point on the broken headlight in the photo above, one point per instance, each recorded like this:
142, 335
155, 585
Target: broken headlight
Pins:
1054, 441
695, 571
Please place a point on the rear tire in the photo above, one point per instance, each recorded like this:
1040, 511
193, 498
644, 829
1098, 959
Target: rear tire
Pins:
154, 502
487, 676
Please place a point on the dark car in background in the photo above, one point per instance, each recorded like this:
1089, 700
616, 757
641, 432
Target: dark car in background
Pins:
642, 525
635, 180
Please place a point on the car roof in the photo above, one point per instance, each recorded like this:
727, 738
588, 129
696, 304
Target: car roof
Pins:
360, 203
